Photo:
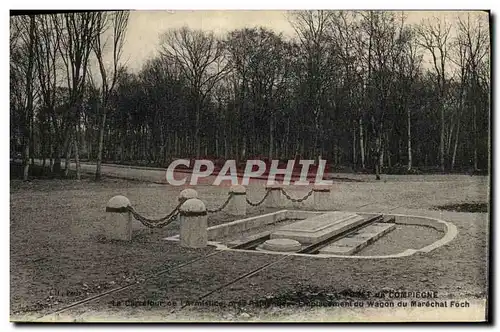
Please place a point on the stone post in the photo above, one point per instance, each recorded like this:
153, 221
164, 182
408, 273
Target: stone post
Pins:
118, 221
274, 198
321, 198
193, 216
184, 196
187, 194
237, 206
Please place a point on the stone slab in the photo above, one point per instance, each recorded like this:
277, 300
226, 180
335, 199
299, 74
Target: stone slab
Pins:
357, 241
350, 242
318, 228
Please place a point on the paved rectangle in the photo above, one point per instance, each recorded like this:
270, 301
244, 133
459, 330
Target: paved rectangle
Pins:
358, 240
318, 228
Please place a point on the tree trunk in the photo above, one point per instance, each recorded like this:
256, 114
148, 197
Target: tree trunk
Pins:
378, 146
366, 141
100, 145
456, 144
197, 130
77, 157
388, 150
409, 139
217, 142
271, 138
441, 143
382, 153
26, 161
474, 132
244, 149
89, 146
361, 143
28, 116
67, 159
176, 143
286, 140
57, 159
32, 142
226, 148
50, 150
354, 146
335, 155
143, 145
449, 137
316, 136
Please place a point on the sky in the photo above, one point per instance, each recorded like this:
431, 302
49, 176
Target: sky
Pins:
146, 26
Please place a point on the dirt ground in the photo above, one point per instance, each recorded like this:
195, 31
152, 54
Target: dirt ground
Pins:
57, 258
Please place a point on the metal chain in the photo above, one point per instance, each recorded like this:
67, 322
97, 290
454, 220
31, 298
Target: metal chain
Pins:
261, 201
223, 205
156, 223
297, 200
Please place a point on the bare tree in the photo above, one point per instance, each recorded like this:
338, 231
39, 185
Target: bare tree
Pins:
261, 66
23, 72
77, 31
346, 38
473, 44
200, 55
47, 51
434, 37
117, 22
312, 29
409, 68
459, 58
349, 83
382, 49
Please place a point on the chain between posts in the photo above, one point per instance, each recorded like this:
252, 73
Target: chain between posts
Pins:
230, 195
156, 223
261, 201
296, 200
172, 216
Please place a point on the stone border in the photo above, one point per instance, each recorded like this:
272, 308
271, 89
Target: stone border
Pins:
246, 224
450, 232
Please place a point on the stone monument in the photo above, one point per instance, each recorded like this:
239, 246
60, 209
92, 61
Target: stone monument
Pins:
318, 228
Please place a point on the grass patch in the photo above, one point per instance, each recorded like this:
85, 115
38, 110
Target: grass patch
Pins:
465, 207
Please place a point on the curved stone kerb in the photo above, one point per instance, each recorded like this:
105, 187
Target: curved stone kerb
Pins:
449, 229
193, 207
